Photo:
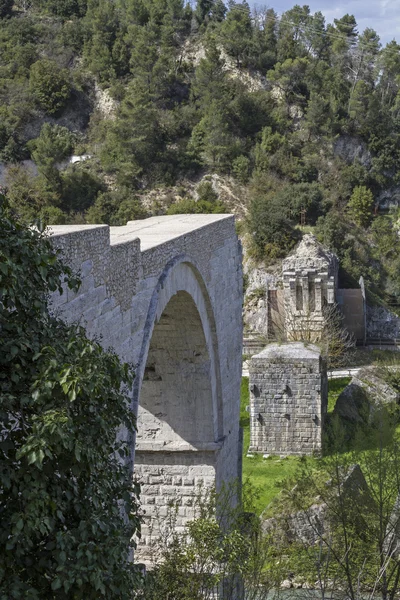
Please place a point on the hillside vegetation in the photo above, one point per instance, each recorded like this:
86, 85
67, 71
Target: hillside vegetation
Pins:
299, 117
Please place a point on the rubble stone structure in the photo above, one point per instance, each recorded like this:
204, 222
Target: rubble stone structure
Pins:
288, 399
166, 294
310, 279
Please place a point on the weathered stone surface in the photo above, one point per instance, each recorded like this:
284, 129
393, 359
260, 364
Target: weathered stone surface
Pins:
288, 399
352, 149
382, 323
366, 392
310, 254
373, 380
310, 277
353, 404
166, 294
354, 482
389, 198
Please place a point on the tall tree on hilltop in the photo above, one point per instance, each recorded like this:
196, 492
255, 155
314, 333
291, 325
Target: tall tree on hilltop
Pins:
344, 37
209, 81
389, 71
236, 31
264, 42
292, 28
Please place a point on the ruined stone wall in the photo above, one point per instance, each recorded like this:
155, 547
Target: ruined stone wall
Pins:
166, 294
310, 278
288, 399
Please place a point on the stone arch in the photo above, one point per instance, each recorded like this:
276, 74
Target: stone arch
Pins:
178, 390
133, 275
181, 286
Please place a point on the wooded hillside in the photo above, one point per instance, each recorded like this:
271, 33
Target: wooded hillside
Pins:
301, 116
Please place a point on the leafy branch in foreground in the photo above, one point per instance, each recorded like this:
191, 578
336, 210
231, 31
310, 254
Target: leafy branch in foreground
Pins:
67, 507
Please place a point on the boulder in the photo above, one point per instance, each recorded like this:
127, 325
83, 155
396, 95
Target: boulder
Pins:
367, 392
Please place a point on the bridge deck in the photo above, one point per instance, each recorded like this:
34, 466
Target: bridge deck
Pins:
159, 230
151, 232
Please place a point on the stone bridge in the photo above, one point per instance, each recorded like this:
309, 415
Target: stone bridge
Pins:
166, 294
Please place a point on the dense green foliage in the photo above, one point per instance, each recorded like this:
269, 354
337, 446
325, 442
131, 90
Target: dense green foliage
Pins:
67, 508
49, 85
300, 114
354, 549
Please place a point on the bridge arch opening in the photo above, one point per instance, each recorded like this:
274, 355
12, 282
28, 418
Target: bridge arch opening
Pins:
176, 409
179, 420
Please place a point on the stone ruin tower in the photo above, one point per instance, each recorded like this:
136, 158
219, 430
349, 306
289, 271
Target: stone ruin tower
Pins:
310, 279
288, 399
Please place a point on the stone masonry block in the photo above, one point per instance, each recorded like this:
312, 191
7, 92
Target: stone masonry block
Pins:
287, 417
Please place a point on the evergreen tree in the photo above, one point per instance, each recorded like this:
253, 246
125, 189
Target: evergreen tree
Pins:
360, 206
236, 31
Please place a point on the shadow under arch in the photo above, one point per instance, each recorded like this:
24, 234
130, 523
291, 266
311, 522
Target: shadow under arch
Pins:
177, 390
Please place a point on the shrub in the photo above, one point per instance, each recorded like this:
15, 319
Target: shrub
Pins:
68, 509
272, 232
49, 85
360, 206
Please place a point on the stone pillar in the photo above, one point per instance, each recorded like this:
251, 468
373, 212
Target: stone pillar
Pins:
318, 294
288, 399
306, 296
331, 291
292, 286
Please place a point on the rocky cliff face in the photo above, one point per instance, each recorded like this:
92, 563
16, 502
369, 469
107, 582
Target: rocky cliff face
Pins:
382, 323
352, 149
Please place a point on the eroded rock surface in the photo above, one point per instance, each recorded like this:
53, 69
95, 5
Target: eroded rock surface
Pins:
366, 393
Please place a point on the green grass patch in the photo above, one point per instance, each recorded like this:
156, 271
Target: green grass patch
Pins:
335, 388
266, 474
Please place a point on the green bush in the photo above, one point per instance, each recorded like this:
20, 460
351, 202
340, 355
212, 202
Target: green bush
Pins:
67, 505
360, 206
53, 145
241, 168
49, 85
190, 206
65, 8
80, 188
272, 233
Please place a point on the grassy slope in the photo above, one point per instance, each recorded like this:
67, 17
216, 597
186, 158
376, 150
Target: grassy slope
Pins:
266, 474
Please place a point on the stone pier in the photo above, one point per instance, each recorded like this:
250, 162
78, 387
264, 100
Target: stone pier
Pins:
288, 399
